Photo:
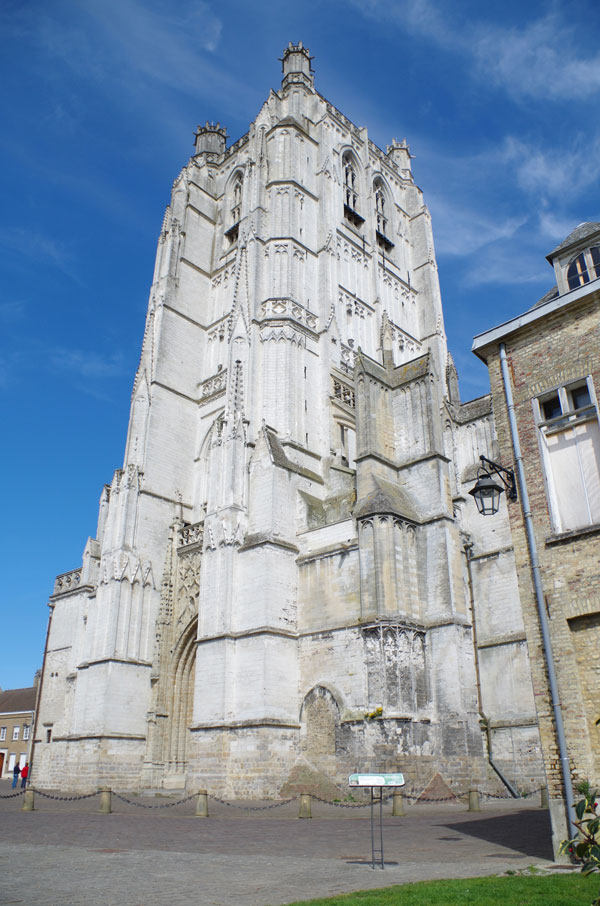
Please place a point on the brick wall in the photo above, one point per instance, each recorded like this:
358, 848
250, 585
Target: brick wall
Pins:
561, 348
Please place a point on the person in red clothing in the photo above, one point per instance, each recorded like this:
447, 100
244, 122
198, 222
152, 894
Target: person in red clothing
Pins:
24, 775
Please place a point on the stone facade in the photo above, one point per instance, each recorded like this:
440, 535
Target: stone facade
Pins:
286, 574
554, 349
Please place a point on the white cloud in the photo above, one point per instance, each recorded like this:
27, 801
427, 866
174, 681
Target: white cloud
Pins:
557, 173
143, 54
461, 230
509, 265
168, 38
90, 365
39, 248
555, 227
12, 310
542, 59
503, 208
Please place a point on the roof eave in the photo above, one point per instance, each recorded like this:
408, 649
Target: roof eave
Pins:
484, 342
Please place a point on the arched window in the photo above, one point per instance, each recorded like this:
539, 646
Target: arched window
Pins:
350, 183
381, 217
577, 274
235, 214
380, 208
351, 193
236, 208
585, 267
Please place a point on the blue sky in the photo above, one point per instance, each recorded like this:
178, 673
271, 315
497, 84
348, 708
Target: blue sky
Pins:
99, 102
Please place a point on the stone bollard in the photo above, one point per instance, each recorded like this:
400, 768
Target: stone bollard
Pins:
105, 800
202, 804
28, 805
544, 802
305, 811
474, 801
398, 804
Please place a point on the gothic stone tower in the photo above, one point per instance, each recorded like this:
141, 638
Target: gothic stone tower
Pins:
278, 581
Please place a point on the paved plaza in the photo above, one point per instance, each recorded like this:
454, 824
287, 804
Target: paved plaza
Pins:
67, 854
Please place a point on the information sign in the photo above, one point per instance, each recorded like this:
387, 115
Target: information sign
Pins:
376, 780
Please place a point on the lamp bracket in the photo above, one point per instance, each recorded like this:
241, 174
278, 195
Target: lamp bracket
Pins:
506, 476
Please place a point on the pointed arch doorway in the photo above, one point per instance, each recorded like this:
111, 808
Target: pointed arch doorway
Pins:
180, 706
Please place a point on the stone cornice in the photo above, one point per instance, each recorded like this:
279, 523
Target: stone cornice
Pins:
266, 722
128, 662
259, 539
248, 633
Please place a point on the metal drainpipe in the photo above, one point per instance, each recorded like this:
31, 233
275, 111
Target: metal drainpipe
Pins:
539, 594
468, 549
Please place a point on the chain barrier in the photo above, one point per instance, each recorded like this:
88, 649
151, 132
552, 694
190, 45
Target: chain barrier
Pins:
263, 808
252, 808
64, 798
420, 798
160, 805
347, 804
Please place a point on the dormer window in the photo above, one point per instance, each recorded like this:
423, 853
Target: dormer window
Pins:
585, 267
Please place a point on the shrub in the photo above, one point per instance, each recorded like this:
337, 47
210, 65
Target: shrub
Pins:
585, 848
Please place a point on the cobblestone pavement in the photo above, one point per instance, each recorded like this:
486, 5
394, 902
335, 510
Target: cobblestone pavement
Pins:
67, 854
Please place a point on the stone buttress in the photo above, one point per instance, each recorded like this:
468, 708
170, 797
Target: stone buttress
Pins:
284, 578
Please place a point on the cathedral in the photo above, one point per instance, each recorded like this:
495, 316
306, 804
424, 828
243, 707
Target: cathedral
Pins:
289, 581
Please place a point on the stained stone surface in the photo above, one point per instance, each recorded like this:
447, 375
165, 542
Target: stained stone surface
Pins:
286, 570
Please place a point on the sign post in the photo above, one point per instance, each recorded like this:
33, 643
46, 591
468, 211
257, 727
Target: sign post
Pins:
376, 783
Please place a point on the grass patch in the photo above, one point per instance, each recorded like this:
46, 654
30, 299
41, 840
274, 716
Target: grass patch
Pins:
548, 890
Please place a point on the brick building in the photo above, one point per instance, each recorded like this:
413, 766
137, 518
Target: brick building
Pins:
553, 360
17, 712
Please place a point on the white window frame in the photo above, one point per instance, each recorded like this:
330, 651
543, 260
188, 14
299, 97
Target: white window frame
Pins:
2, 734
16, 731
26, 731
567, 420
588, 274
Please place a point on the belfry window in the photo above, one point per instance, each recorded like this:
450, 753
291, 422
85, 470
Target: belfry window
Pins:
585, 267
351, 191
380, 209
567, 419
381, 229
236, 208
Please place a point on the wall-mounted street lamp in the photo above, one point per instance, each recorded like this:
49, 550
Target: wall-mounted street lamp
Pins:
486, 492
